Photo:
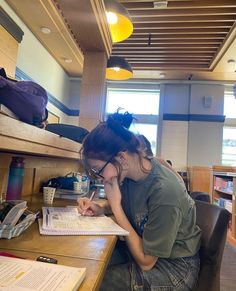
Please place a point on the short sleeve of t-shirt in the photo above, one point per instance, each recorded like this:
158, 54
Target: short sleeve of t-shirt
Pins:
160, 231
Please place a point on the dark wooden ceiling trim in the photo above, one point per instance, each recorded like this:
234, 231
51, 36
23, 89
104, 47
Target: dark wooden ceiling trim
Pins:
86, 19
11, 26
224, 46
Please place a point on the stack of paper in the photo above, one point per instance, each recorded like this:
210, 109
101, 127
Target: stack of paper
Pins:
19, 274
67, 221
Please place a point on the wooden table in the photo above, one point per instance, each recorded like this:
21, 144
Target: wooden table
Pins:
92, 252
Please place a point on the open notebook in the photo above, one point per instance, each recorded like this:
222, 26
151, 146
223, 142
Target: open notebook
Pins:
67, 221
19, 274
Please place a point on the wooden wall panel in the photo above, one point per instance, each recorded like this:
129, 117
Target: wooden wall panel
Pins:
8, 52
200, 179
37, 170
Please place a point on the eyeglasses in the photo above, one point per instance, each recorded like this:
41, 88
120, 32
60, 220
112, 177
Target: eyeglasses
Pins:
97, 173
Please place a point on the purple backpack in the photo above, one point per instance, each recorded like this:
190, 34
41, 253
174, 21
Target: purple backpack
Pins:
26, 99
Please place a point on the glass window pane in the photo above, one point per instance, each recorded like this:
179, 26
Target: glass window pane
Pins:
149, 131
229, 146
136, 102
229, 106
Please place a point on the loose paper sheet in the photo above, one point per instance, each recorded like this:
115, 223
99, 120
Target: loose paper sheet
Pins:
18, 275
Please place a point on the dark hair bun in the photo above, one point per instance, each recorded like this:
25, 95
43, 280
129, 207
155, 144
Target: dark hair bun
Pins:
123, 119
120, 124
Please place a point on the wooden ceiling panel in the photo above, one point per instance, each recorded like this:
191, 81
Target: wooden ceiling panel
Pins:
186, 34
189, 37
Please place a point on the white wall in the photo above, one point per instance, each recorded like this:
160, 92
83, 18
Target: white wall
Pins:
205, 138
214, 91
176, 98
75, 87
36, 62
174, 135
188, 143
175, 143
204, 143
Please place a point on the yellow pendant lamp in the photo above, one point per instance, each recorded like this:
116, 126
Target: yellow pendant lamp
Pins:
120, 24
118, 69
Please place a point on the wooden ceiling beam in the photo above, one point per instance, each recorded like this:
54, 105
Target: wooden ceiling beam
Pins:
138, 61
183, 25
154, 57
87, 21
174, 36
182, 12
183, 53
161, 53
183, 19
130, 5
162, 50
181, 31
178, 66
173, 47
164, 54
222, 31
175, 41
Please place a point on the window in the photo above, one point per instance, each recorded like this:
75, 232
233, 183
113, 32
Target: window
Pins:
136, 102
229, 146
229, 131
143, 104
229, 105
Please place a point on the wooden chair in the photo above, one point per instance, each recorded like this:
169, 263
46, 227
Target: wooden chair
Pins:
213, 221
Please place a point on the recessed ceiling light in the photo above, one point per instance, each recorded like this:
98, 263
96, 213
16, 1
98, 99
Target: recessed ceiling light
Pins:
160, 4
68, 61
231, 61
162, 75
45, 30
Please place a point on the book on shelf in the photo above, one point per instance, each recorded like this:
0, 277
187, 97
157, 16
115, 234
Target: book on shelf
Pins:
67, 221
225, 203
21, 274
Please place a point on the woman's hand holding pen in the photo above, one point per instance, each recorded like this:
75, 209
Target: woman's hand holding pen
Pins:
88, 207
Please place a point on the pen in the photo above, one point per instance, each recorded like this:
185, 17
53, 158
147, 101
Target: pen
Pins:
90, 199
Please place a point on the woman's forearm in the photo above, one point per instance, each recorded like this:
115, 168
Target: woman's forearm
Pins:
106, 209
134, 242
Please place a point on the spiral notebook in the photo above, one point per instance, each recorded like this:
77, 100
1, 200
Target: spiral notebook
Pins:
67, 221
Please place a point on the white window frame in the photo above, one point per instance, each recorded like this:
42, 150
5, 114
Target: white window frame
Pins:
141, 118
229, 123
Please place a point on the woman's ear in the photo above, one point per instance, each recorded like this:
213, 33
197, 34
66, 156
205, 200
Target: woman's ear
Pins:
121, 157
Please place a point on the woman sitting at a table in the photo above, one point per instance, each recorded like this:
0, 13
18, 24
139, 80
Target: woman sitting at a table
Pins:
150, 202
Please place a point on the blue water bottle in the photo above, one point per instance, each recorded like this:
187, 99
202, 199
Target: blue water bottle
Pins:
15, 179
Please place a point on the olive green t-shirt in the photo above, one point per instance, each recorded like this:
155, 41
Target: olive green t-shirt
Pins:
163, 214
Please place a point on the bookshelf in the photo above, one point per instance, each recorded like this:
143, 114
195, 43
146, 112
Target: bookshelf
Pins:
224, 191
